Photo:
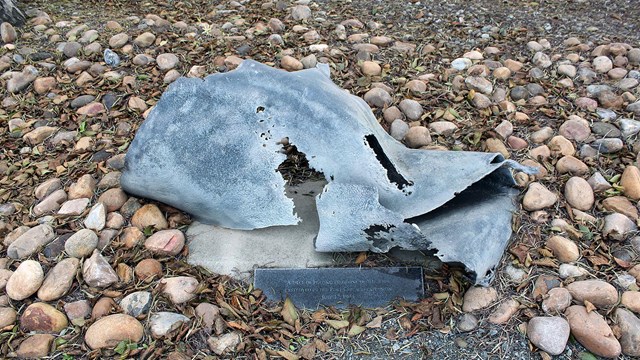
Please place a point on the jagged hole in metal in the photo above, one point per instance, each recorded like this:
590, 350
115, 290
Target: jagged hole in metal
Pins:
211, 147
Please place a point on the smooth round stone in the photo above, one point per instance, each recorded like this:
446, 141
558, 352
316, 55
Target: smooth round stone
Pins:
25, 280
43, 318
549, 333
579, 194
417, 136
607, 146
59, 280
478, 297
412, 109
110, 330
399, 129
137, 303
164, 323
597, 292
538, 197
564, 249
81, 244
378, 97
605, 130
165, 242
592, 331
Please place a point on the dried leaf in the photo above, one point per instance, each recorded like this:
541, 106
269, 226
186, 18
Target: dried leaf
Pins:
288, 355
590, 307
321, 345
289, 312
337, 324
308, 351
622, 263
375, 323
361, 258
548, 262
598, 260
356, 330
544, 252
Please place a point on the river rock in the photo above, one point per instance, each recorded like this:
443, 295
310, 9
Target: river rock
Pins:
503, 313
617, 226
59, 280
179, 289
165, 242
111, 330
81, 244
113, 199
163, 324
96, 219
579, 194
630, 181
149, 215
25, 281
477, 298
563, 249
549, 333
622, 205
136, 303
148, 269
97, 272
29, 242
43, 318
35, 346
538, 197
224, 344
629, 325
571, 165
591, 330
211, 318
556, 301
8, 316
597, 292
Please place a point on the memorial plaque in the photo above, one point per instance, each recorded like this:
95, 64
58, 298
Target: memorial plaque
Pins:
368, 287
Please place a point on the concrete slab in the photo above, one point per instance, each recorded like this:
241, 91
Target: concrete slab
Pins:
238, 252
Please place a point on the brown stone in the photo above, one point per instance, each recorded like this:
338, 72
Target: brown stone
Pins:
556, 301
563, 249
622, 205
630, 181
504, 312
149, 215
35, 346
591, 330
113, 199
597, 292
131, 237
43, 318
477, 298
165, 242
579, 194
111, 330
148, 270
538, 197
631, 300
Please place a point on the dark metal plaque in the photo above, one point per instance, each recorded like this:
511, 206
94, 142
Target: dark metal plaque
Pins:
368, 287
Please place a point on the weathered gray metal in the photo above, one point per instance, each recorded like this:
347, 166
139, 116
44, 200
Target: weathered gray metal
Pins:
211, 148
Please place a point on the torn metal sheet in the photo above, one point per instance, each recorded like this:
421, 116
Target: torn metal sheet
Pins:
211, 148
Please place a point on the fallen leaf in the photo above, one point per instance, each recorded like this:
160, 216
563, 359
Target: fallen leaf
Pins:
289, 312
288, 355
356, 330
375, 323
361, 258
308, 351
337, 324
589, 306
321, 345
